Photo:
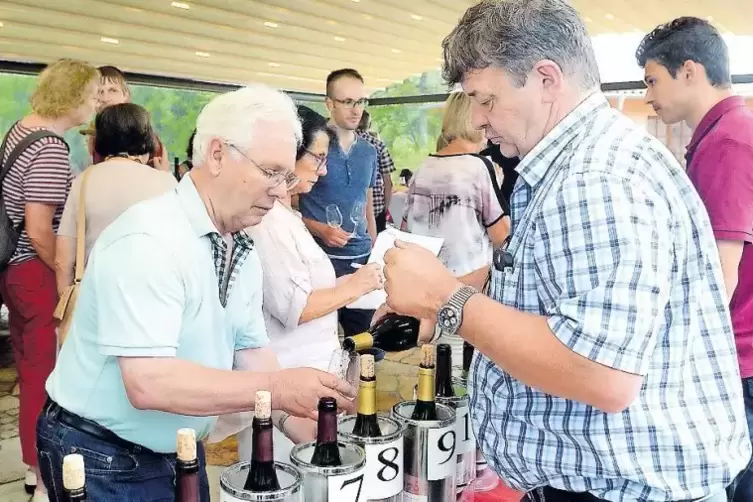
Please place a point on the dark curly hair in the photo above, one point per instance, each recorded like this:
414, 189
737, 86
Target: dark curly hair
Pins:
687, 39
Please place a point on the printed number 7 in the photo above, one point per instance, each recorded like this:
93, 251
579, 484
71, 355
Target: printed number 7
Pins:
358, 480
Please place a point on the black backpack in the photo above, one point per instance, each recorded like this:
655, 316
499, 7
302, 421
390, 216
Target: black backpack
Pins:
9, 234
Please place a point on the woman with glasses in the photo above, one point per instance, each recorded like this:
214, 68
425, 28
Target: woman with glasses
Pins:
301, 294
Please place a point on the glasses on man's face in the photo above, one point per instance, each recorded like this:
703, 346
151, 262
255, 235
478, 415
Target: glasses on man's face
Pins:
275, 178
321, 160
350, 103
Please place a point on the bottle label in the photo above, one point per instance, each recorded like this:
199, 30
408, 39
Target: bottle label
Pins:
465, 439
414, 490
384, 469
347, 487
442, 453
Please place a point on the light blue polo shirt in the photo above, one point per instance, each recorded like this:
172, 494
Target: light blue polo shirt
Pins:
151, 290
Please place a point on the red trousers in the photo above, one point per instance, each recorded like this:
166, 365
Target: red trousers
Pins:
30, 293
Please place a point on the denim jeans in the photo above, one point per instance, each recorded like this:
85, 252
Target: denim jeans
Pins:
113, 472
353, 321
741, 489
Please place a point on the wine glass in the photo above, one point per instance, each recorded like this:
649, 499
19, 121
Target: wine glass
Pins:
345, 365
357, 214
334, 216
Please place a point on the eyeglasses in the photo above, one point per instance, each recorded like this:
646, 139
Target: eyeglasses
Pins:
275, 178
349, 103
321, 160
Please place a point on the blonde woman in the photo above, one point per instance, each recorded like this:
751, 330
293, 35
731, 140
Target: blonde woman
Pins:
451, 196
34, 193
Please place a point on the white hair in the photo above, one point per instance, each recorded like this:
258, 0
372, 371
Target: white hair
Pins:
233, 116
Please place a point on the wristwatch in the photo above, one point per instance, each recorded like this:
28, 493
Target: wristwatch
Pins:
450, 316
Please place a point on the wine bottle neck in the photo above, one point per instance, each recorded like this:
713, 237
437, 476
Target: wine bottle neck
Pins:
444, 376
425, 384
263, 449
327, 427
367, 397
359, 342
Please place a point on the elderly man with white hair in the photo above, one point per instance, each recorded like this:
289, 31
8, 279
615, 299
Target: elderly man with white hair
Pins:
170, 304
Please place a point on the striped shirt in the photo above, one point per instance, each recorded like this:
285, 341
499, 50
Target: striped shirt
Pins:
620, 258
42, 174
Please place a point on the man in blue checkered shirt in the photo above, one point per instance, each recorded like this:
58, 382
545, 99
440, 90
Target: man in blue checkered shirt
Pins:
606, 365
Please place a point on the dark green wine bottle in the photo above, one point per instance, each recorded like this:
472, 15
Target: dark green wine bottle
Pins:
327, 451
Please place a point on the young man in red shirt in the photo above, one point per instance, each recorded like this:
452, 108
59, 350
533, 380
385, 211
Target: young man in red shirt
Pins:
687, 75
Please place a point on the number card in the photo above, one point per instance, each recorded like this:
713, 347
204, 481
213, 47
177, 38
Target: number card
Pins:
464, 432
346, 488
441, 452
384, 469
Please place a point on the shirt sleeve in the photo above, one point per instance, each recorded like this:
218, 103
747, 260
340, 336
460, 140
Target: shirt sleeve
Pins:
726, 189
69, 221
47, 179
254, 332
287, 281
491, 211
603, 263
140, 297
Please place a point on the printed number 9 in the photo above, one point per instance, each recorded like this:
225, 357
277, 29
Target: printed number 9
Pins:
446, 444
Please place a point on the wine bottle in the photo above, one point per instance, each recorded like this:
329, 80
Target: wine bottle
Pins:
391, 333
443, 381
467, 358
74, 477
262, 476
327, 451
426, 408
366, 424
176, 168
186, 467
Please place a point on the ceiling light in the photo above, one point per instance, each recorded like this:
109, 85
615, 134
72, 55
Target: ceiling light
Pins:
274, 65
1, 25
396, 51
202, 54
339, 39
587, 19
355, 1
270, 24
609, 16
416, 17
180, 5
331, 22
108, 40
367, 17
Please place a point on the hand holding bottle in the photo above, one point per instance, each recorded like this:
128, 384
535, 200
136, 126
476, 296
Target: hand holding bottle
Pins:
426, 329
298, 390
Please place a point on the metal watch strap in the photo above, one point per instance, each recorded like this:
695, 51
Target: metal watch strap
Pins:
461, 296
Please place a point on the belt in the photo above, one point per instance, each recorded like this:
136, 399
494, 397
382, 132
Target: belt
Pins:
86, 426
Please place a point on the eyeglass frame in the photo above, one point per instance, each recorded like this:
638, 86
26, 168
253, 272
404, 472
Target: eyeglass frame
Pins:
349, 103
320, 159
274, 178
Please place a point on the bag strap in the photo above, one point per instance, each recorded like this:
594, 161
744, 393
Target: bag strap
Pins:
503, 203
81, 228
20, 148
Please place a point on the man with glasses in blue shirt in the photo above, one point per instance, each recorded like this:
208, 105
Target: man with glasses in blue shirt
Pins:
339, 210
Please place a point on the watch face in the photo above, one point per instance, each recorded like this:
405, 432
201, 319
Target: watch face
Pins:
448, 319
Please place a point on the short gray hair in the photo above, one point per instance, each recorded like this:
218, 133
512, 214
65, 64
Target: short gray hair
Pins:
514, 35
233, 115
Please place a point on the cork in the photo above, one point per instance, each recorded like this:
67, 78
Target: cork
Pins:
263, 406
367, 366
186, 445
427, 356
73, 472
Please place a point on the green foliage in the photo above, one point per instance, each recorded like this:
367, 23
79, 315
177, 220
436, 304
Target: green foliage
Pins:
409, 131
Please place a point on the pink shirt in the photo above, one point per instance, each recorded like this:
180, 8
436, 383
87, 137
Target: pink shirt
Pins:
720, 165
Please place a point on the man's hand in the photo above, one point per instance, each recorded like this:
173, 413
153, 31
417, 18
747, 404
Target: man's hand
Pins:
334, 237
298, 390
300, 430
417, 284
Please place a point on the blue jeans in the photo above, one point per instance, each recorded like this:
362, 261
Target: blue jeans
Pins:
741, 489
353, 321
113, 472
